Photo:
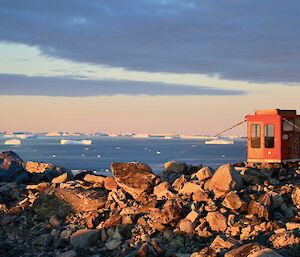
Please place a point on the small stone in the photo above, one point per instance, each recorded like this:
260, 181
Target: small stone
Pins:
232, 201
200, 196
222, 242
203, 174
70, 253
112, 244
162, 190
60, 179
192, 216
94, 179
110, 184
54, 221
186, 226
179, 183
292, 225
85, 238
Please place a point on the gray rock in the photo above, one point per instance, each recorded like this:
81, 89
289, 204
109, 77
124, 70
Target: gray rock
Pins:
85, 238
11, 167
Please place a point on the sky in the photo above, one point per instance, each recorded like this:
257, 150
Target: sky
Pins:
135, 66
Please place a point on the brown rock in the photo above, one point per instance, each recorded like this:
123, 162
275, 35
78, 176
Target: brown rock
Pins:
203, 174
292, 225
110, 184
172, 211
60, 179
162, 190
94, 179
244, 250
205, 252
189, 188
38, 167
232, 201
80, 200
258, 209
179, 183
134, 177
224, 180
200, 196
296, 197
284, 239
217, 221
222, 242
192, 216
186, 226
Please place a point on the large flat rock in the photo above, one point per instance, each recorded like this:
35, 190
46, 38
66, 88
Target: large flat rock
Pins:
134, 177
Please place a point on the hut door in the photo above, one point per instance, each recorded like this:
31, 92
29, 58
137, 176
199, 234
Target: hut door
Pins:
255, 142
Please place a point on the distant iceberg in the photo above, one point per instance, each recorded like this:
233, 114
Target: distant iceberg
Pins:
75, 142
219, 142
13, 142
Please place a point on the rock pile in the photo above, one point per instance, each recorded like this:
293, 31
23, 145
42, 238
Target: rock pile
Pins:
187, 211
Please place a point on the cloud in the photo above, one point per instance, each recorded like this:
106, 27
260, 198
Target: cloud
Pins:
256, 41
57, 86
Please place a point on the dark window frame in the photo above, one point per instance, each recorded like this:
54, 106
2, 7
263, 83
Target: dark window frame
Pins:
255, 135
269, 136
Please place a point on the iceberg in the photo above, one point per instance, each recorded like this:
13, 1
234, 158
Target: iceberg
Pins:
13, 142
75, 142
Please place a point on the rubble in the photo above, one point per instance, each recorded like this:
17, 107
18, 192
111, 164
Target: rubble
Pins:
138, 213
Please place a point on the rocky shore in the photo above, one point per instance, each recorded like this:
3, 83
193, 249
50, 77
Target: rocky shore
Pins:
233, 211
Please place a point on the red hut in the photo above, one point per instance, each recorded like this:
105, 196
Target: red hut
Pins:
273, 136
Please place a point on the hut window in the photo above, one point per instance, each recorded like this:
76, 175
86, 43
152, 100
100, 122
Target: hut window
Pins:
269, 136
255, 136
287, 126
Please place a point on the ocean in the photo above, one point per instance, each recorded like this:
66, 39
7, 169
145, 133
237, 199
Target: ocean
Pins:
104, 150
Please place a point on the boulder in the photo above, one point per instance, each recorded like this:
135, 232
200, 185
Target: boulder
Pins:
225, 179
232, 201
84, 238
267, 252
11, 167
203, 174
38, 167
135, 178
217, 221
69, 199
175, 167
41, 171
